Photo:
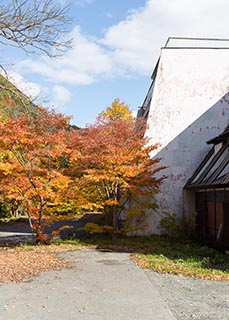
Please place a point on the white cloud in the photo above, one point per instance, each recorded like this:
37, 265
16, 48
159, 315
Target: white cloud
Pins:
61, 96
137, 40
134, 113
82, 65
31, 89
133, 45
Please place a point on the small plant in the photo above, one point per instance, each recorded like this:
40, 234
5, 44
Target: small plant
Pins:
28, 247
93, 228
4, 211
43, 238
179, 227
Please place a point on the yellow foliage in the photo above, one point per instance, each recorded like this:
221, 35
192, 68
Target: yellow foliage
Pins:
95, 228
118, 111
92, 228
107, 229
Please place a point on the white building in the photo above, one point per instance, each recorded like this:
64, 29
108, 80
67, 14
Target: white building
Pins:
186, 105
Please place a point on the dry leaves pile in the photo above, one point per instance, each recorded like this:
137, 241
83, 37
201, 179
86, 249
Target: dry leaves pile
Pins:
20, 264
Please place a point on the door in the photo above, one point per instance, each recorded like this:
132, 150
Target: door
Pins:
214, 220
225, 237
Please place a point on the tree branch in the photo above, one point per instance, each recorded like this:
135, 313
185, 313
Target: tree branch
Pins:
33, 25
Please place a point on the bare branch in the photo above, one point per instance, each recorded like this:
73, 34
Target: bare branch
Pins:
34, 25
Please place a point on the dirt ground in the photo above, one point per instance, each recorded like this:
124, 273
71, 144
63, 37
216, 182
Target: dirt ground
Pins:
190, 298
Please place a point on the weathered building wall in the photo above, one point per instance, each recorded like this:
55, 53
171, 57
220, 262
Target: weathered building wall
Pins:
189, 105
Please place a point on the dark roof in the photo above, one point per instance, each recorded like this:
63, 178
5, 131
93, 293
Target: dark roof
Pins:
222, 180
213, 172
223, 136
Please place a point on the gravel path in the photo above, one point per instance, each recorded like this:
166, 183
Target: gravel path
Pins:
190, 298
101, 286
108, 285
185, 298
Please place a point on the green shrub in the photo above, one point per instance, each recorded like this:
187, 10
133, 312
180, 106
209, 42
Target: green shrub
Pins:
178, 227
93, 228
4, 210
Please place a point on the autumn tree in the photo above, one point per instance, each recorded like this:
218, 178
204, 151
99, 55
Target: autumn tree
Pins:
117, 111
34, 153
32, 148
116, 166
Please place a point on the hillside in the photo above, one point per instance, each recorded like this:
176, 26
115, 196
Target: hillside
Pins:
13, 101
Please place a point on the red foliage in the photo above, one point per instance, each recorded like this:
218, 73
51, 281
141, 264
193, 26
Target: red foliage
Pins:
116, 167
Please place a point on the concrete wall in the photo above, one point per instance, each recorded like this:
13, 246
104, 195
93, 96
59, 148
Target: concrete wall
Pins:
190, 105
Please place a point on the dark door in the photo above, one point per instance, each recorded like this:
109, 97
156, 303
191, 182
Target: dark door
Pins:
215, 218
225, 237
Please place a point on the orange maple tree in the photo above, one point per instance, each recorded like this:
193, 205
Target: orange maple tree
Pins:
117, 170
34, 153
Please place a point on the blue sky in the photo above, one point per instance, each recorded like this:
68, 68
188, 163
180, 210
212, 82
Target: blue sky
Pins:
116, 44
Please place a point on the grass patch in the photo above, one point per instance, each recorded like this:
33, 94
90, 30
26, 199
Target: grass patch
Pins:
166, 255
158, 253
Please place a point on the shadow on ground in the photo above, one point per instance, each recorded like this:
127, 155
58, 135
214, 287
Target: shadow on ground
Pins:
154, 248
14, 233
164, 251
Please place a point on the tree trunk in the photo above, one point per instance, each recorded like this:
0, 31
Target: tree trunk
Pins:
40, 220
114, 222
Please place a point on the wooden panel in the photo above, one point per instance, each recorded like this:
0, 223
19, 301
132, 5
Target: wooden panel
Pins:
226, 225
219, 220
211, 220
214, 219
